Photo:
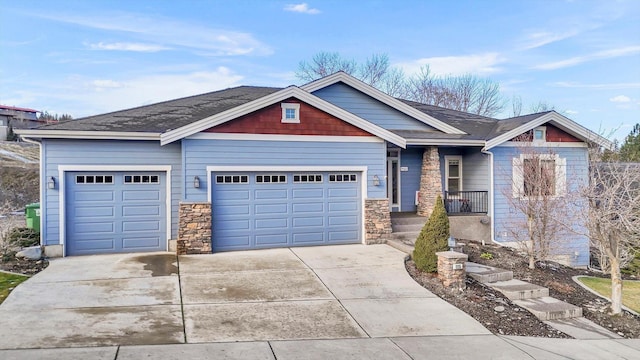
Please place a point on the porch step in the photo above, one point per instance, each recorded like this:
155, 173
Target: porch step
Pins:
407, 219
487, 274
405, 236
406, 227
519, 290
548, 308
400, 245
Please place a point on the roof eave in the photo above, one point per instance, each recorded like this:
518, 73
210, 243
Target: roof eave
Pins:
382, 97
445, 142
89, 135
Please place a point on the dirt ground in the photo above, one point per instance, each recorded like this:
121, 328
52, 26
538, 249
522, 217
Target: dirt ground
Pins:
480, 301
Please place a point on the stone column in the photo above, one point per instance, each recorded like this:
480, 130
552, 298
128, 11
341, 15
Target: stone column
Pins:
194, 228
430, 181
451, 269
377, 221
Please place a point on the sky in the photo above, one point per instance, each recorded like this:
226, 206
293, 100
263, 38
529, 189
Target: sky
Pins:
90, 57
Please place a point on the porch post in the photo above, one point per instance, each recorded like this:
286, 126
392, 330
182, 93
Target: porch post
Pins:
430, 181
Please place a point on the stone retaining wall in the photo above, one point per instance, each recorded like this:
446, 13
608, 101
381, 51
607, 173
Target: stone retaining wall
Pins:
194, 228
377, 221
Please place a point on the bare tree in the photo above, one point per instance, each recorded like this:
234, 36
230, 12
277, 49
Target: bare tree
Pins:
323, 64
516, 106
539, 201
613, 219
541, 106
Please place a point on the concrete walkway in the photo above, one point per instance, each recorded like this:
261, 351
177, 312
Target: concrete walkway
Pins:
342, 302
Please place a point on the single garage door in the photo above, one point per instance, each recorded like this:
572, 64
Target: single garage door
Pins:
115, 212
266, 210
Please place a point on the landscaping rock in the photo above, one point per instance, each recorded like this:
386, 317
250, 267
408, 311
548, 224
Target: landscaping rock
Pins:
31, 253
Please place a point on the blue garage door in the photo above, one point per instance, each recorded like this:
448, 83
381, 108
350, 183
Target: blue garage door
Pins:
114, 212
267, 210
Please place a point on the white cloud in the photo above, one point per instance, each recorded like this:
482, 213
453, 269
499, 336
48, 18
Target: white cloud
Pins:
571, 112
122, 46
161, 30
301, 8
606, 54
541, 38
478, 64
101, 84
569, 84
620, 99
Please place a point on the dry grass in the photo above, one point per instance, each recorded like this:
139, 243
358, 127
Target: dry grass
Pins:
630, 290
19, 154
8, 282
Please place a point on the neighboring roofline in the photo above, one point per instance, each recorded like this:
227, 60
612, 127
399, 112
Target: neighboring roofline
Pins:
558, 119
445, 142
92, 135
341, 76
291, 91
15, 108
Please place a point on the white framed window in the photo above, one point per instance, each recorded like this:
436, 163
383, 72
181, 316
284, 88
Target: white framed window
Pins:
307, 178
540, 134
537, 175
94, 179
271, 179
453, 173
141, 179
290, 113
343, 177
232, 179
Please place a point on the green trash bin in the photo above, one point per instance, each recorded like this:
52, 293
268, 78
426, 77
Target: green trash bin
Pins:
32, 213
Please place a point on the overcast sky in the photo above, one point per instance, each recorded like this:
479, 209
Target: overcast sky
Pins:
90, 57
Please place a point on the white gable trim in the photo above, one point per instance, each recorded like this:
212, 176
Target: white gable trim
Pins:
270, 99
564, 123
279, 137
92, 135
382, 97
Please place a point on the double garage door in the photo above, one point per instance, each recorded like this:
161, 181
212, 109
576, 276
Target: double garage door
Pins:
112, 212
254, 210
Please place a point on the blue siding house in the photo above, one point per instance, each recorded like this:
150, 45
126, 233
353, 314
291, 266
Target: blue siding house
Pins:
329, 162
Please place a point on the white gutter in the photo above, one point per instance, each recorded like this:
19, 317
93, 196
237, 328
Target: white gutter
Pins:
94, 135
491, 198
42, 183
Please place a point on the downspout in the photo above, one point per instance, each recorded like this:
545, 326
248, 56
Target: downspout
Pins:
42, 183
491, 198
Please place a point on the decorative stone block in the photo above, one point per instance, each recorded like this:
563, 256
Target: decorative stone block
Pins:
451, 269
194, 228
377, 221
430, 181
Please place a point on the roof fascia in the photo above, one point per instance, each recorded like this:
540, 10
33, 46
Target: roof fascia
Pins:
563, 122
446, 142
382, 97
93, 135
270, 99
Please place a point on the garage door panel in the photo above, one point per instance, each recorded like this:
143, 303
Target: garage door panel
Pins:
304, 211
136, 211
115, 215
93, 196
141, 242
271, 194
306, 207
135, 195
94, 211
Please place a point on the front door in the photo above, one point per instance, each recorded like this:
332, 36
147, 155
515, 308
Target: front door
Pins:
393, 179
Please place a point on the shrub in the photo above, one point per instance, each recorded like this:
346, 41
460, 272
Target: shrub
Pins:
22, 237
433, 238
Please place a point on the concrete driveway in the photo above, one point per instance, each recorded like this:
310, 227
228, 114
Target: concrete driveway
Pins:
331, 292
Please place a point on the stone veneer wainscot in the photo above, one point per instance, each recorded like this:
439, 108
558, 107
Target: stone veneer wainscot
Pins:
194, 228
377, 221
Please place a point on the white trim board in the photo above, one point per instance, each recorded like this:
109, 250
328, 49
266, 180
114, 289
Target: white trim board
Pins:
281, 95
364, 183
63, 169
92, 135
544, 144
349, 80
278, 137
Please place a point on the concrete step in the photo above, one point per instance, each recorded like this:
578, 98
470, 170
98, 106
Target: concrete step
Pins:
487, 274
406, 227
548, 308
583, 329
397, 244
405, 236
519, 290
408, 219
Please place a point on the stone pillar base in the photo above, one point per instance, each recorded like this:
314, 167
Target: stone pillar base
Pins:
377, 221
430, 181
451, 269
194, 228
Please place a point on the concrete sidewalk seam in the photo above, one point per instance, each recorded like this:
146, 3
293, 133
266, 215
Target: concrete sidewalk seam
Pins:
400, 347
184, 326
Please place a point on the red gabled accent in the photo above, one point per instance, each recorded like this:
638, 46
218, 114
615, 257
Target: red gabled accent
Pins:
268, 121
556, 135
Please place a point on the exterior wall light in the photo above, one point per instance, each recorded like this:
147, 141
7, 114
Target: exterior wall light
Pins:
51, 183
196, 182
376, 180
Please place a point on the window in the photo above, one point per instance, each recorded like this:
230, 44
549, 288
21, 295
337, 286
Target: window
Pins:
343, 178
539, 175
540, 134
94, 179
303, 178
232, 179
270, 179
453, 173
290, 113
141, 179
